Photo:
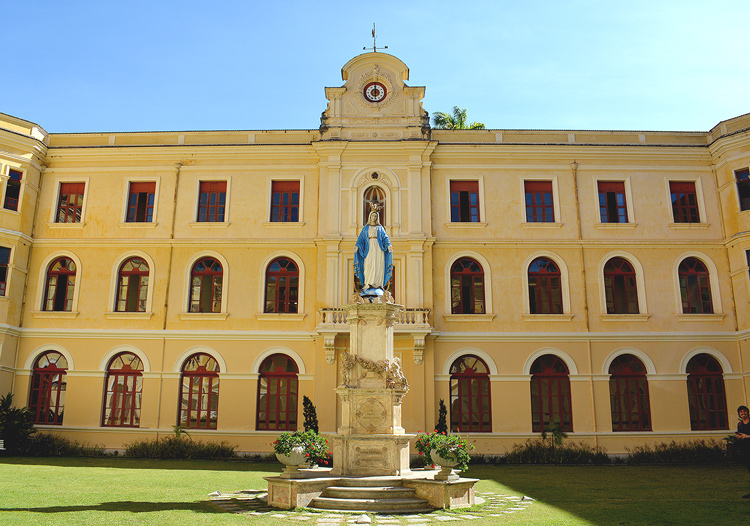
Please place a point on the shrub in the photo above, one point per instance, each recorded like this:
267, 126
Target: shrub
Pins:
15, 425
316, 447
175, 447
49, 445
311, 416
446, 446
442, 426
547, 452
692, 452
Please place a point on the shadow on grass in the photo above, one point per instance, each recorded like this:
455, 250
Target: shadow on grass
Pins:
143, 463
128, 506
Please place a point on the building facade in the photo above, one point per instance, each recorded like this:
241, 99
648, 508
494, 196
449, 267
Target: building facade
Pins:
598, 279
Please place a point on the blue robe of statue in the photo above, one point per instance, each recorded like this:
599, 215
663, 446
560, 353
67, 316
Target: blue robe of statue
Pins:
363, 248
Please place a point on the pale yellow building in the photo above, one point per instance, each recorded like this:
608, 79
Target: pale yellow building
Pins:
597, 278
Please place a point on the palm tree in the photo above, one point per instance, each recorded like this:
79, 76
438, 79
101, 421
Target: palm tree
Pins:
457, 121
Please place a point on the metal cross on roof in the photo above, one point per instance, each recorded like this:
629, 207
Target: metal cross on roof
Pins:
374, 46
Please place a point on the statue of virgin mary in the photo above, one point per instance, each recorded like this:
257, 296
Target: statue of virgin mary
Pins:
373, 257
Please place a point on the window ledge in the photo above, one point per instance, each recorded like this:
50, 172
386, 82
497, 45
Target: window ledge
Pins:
279, 316
209, 224
141, 224
128, 315
4, 298
700, 317
548, 317
284, 224
541, 224
469, 317
466, 224
607, 226
55, 314
66, 225
203, 315
625, 317
9, 211
689, 226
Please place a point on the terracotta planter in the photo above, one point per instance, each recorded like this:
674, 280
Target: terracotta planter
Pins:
447, 464
292, 461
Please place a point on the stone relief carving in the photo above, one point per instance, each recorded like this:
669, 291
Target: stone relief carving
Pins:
388, 369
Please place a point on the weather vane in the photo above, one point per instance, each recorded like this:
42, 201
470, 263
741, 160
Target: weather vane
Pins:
374, 47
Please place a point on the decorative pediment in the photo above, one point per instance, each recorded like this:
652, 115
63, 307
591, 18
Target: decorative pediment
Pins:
374, 103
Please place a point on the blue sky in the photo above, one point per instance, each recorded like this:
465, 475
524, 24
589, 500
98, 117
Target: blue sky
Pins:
75, 66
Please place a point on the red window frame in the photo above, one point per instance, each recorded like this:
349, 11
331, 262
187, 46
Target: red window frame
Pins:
464, 201
467, 287
545, 287
540, 204
706, 394
285, 201
550, 394
48, 386
695, 287
743, 188
60, 285
471, 400
684, 202
123, 386
132, 286
620, 287
282, 286
4, 261
206, 286
199, 393
612, 202
374, 195
212, 200
628, 394
141, 202
12, 190
278, 392
70, 203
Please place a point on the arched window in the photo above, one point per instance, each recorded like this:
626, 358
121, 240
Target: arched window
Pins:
695, 287
282, 286
61, 284
122, 398
628, 394
132, 286
199, 402
373, 195
620, 289
470, 395
277, 393
206, 286
550, 393
47, 398
467, 287
545, 289
706, 395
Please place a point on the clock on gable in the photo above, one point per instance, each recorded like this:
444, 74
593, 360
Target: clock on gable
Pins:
374, 92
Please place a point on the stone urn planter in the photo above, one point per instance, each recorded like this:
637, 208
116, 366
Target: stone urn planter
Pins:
446, 464
293, 461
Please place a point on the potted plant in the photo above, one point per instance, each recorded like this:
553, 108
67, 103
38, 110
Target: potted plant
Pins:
447, 451
297, 448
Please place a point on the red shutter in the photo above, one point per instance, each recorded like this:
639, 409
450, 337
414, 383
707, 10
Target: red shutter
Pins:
682, 188
72, 188
213, 186
143, 188
465, 186
612, 186
285, 186
538, 186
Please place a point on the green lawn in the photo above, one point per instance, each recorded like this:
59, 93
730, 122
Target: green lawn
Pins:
104, 491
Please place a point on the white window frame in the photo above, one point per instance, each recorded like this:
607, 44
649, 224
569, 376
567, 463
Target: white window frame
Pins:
489, 310
126, 195
482, 209
292, 316
56, 202
564, 284
698, 181
640, 282
628, 201
4, 179
269, 199
555, 201
713, 279
197, 195
42, 285
185, 308
9, 272
113, 285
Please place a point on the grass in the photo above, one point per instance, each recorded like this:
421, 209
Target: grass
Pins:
102, 491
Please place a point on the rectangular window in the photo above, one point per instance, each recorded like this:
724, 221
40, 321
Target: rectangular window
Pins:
464, 202
212, 199
141, 202
612, 204
70, 204
743, 187
12, 190
4, 260
539, 204
285, 201
684, 202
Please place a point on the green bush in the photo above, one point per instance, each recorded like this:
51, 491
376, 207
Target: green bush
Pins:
175, 447
692, 452
15, 425
49, 445
547, 452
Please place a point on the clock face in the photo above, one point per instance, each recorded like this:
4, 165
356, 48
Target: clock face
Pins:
375, 92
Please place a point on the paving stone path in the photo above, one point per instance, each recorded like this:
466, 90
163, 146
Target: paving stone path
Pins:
253, 502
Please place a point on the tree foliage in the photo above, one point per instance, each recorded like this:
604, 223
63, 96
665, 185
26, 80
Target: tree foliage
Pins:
15, 425
311, 416
456, 121
442, 426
